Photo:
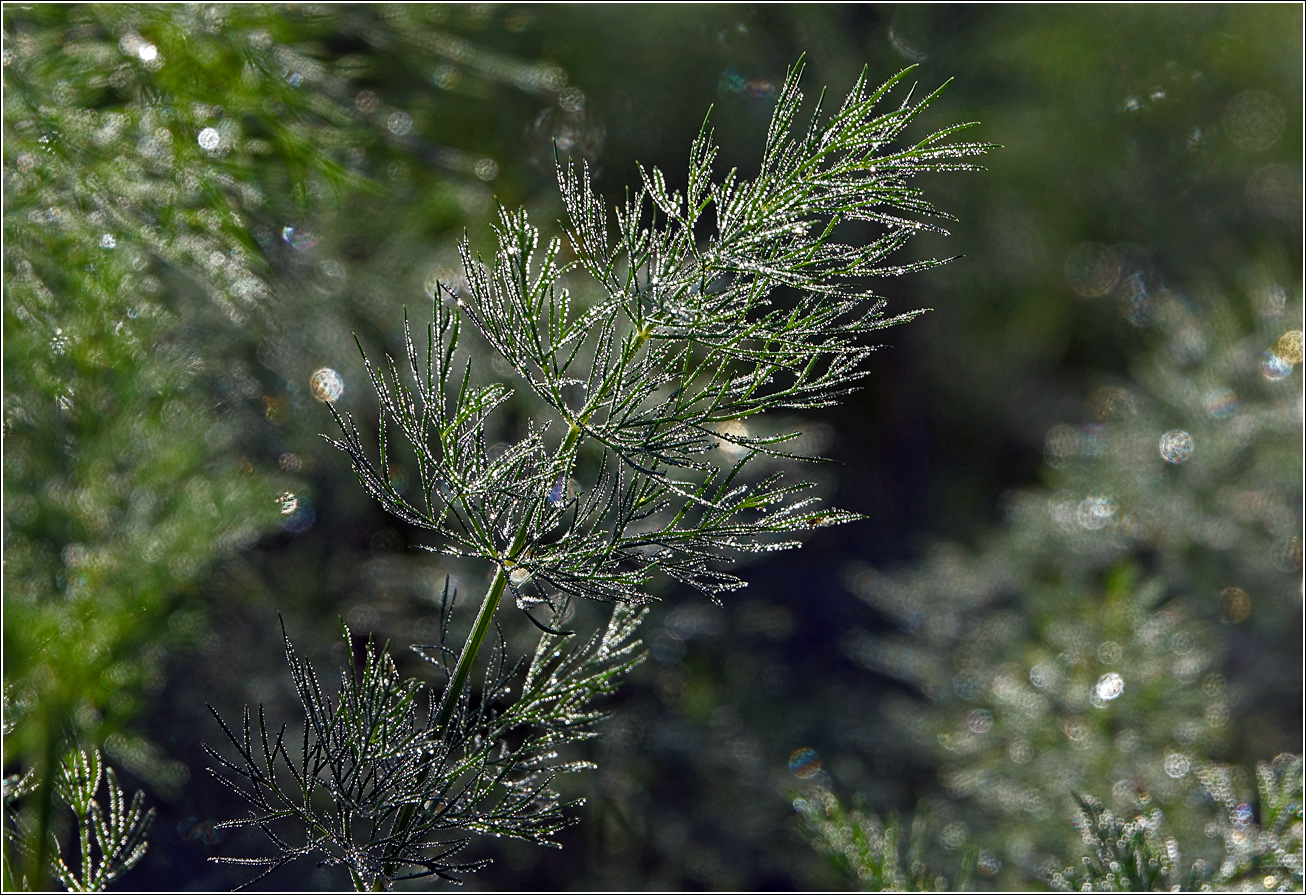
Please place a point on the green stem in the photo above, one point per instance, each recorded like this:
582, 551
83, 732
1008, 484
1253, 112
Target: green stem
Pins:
476, 637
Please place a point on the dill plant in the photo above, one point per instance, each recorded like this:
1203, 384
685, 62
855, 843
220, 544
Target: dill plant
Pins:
711, 305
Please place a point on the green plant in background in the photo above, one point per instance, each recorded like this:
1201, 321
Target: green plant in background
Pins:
1137, 854
155, 158
868, 851
1079, 647
652, 473
1140, 855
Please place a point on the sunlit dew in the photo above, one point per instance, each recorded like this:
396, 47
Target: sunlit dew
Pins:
209, 139
326, 385
399, 123
980, 721
519, 576
1044, 676
1242, 814
300, 516
1274, 367
288, 503
1075, 728
147, 52
1290, 346
299, 239
1109, 687
733, 429
1095, 511
486, 169
107, 241
1177, 764
1220, 403
1176, 446
1237, 604
446, 77
804, 763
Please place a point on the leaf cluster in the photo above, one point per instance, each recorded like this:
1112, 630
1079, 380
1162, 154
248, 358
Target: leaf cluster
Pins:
374, 784
1140, 855
111, 835
714, 305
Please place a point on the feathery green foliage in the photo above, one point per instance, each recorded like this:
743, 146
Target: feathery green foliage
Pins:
375, 785
111, 837
869, 851
712, 307
1077, 650
1141, 855
1134, 854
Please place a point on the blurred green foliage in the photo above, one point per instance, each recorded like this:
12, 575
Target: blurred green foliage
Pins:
1143, 215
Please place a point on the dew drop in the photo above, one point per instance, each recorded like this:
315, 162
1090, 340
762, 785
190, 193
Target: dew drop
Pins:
1291, 346
980, 721
1275, 367
299, 239
107, 241
326, 385
209, 139
1109, 687
1176, 446
804, 763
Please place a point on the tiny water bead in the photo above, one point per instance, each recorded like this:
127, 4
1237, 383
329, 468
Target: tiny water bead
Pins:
1176, 446
326, 385
209, 139
107, 241
1291, 346
1109, 687
1274, 367
299, 239
1177, 764
804, 763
